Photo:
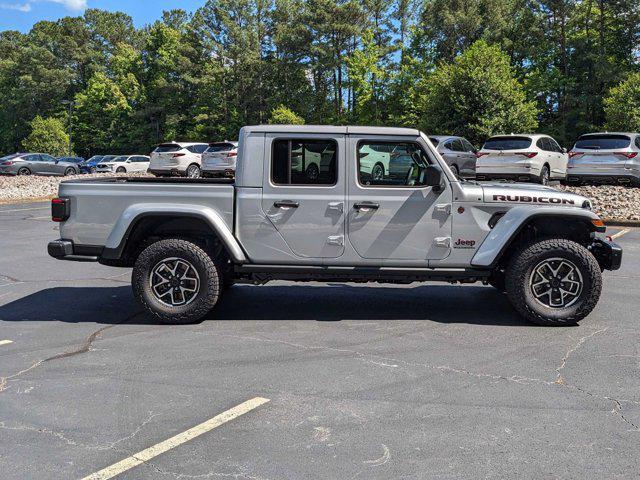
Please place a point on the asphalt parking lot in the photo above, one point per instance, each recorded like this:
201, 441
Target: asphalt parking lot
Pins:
362, 382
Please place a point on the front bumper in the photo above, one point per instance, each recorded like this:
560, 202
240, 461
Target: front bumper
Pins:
607, 252
66, 250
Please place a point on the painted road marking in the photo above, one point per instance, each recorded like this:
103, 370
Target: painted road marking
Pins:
162, 447
620, 233
5, 342
23, 209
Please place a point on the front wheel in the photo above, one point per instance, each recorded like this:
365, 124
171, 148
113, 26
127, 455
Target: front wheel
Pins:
176, 281
554, 282
121, 170
193, 171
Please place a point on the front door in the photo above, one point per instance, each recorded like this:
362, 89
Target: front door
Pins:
304, 192
396, 217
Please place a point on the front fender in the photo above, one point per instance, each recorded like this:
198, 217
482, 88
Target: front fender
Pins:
118, 237
513, 222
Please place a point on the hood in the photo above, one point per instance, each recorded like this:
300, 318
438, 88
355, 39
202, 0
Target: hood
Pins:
531, 194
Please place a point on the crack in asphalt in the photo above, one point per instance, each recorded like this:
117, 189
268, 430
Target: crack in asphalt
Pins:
84, 348
559, 379
16, 281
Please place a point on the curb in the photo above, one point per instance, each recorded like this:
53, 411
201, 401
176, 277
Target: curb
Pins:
612, 222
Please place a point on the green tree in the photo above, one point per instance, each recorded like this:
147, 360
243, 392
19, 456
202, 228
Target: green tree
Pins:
477, 95
622, 105
284, 116
47, 135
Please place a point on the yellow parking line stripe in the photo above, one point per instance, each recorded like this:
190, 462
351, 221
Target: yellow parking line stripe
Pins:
162, 447
5, 342
621, 233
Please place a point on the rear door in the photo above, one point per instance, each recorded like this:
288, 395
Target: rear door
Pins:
396, 217
304, 192
49, 165
139, 163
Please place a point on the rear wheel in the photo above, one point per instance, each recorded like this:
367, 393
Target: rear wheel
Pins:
544, 176
24, 171
176, 281
554, 282
312, 172
193, 171
378, 172
455, 170
70, 171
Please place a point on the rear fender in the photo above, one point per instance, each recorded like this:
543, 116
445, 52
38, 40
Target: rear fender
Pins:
117, 240
509, 226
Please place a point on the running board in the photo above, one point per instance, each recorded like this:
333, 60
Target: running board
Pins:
260, 274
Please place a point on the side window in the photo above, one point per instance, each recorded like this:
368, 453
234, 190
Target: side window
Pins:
47, 158
304, 162
32, 158
554, 146
467, 146
449, 145
457, 146
201, 148
391, 164
542, 144
191, 148
638, 142
139, 159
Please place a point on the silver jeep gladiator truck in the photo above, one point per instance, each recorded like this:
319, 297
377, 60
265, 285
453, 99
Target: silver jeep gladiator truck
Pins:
339, 204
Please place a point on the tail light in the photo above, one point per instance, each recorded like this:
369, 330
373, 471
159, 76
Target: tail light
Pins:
575, 154
481, 154
175, 155
8, 163
231, 154
60, 209
627, 154
528, 154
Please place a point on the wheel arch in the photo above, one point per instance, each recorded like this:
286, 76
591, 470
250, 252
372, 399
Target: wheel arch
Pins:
140, 223
520, 225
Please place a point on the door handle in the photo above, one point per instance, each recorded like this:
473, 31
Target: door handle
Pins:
286, 204
366, 206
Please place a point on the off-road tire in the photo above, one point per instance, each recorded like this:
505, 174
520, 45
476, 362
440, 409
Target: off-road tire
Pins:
206, 267
520, 269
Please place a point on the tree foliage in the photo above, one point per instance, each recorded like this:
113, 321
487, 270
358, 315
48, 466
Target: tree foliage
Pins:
47, 135
284, 116
622, 105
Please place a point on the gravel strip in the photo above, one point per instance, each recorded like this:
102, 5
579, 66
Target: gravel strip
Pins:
610, 202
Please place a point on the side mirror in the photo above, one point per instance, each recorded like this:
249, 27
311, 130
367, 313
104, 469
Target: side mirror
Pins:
433, 177
564, 150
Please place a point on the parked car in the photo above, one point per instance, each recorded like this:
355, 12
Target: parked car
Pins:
605, 158
219, 160
383, 162
77, 160
187, 241
182, 159
37, 164
91, 165
124, 164
527, 158
459, 154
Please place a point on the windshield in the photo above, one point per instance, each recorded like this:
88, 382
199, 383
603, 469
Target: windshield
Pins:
603, 142
507, 143
95, 158
220, 147
169, 147
108, 158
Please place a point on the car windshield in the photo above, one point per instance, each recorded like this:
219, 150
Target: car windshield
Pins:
220, 147
95, 158
435, 141
603, 142
507, 143
121, 159
169, 147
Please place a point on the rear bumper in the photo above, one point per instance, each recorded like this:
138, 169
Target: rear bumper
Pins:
219, 172
624, 177
516, 177
164, 172
608, 254
66, 250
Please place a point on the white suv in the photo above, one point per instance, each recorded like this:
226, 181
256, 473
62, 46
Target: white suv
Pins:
527, 158
219, 160
124, 164
177, 159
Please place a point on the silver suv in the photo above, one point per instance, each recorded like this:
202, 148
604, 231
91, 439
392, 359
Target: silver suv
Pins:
605, 158
459, 154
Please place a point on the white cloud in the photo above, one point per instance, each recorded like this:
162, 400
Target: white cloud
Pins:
22, 7
73, 5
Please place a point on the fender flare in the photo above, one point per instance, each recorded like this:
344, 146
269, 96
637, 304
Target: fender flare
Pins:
117, 241
513, 222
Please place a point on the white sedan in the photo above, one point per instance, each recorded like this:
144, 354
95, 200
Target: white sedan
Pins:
125, 164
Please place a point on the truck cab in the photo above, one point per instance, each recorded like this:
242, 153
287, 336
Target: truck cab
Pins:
337, 203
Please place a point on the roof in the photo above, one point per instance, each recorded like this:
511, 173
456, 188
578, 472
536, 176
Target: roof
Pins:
610, 133
331, 129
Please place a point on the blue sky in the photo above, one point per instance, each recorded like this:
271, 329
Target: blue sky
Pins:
22, 14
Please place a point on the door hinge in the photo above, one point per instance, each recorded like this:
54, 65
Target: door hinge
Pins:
337, 240
442, 242
444, 208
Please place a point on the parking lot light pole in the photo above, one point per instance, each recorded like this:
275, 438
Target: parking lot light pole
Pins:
71, 104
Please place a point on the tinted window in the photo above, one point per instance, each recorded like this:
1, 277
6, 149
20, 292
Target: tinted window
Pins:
139, 159
304, 162
554, 146
391, 164
638, 142
121, 159
197, 148
10, 157
47, 158
507, 143
435, 141
542, 144
457, 146
220, 147
32, 158
467, 146
603, 142
169, 147
108, 158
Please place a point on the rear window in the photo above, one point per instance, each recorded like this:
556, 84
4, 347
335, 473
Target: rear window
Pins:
10, 157
220, 147
603, 142
507, 143
169, 147
435, 141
